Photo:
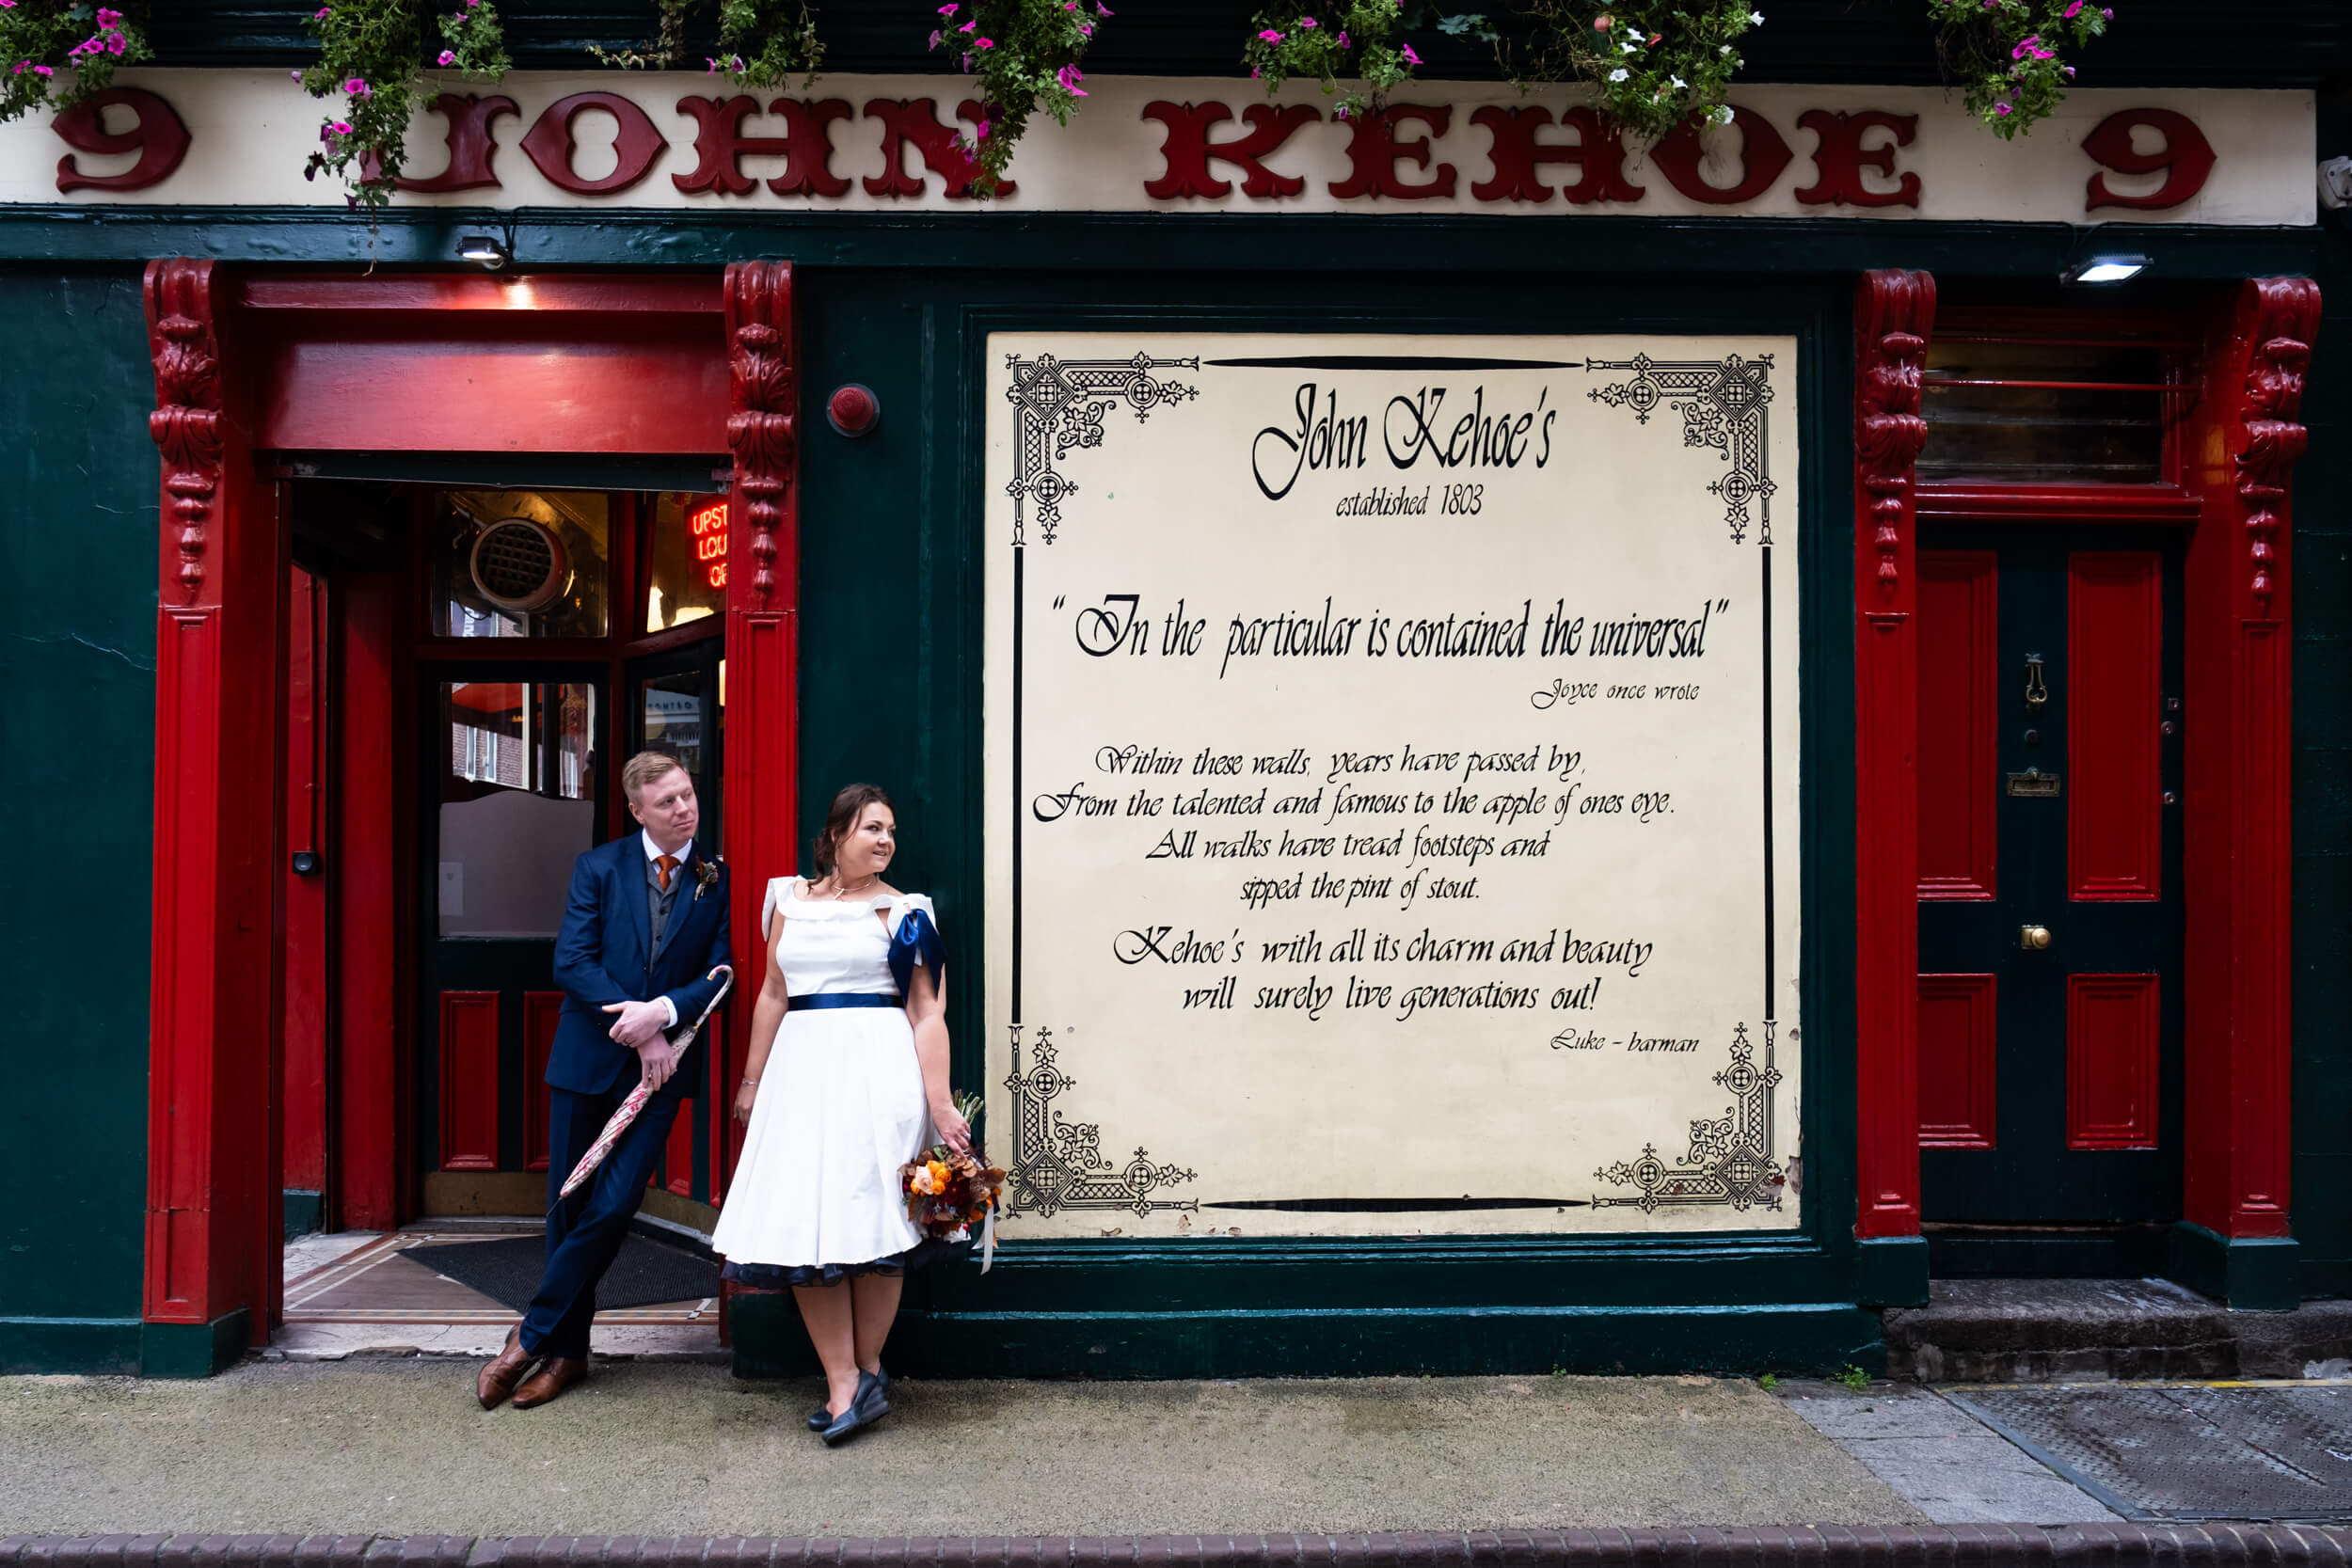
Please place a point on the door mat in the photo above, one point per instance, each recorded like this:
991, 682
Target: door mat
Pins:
507, 1269
2187, 1451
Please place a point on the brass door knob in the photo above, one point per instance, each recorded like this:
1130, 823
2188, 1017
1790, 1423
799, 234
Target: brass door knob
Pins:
2033, 939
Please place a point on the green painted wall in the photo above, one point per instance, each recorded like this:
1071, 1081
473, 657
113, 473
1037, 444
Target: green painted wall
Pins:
2322, 1199
891, 613
77, 660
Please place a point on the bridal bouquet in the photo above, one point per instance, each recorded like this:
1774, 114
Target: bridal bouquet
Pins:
947, 1193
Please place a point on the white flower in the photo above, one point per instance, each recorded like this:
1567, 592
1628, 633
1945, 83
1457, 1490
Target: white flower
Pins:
1756, 18
1618, 75
1724, 49
1719, 113
1677, 83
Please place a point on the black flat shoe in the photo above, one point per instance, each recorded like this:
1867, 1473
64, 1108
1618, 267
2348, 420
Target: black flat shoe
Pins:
869, 1406
821, 1417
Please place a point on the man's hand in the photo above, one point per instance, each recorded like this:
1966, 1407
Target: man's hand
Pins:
659, 1059
639, 1025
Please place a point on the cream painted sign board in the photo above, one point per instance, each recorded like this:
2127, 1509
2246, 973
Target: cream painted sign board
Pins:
252, 131
1392, 750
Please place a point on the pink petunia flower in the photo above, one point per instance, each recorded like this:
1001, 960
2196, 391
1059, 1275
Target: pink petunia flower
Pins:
1306, 22
340, 127
2001, 109
448, 58
1410, 58
356, 87
947, 10
1343, 38
44, 71
322, 13
983, 43
1069, 76
1270, 35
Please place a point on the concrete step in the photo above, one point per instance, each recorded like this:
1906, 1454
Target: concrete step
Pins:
2049, 1330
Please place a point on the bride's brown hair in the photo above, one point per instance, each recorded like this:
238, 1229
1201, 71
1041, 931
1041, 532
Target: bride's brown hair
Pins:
846, 808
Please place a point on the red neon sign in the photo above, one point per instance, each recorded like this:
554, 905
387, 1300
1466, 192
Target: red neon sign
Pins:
709, 525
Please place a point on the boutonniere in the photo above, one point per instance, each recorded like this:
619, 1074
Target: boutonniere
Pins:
706, 876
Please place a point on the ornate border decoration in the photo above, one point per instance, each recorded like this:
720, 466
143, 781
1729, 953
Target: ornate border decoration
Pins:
186, 422
2270, 406
762, 430
1060, 405
1057, 1163
1891, 356
1723, 405
1730, 1158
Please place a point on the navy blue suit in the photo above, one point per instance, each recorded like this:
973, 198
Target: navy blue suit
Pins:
603, 955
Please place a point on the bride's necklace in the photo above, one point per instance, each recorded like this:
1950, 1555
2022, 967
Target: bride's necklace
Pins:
841, 889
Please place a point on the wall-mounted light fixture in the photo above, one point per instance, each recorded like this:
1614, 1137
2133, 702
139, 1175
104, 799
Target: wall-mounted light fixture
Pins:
2104, 269
487, 251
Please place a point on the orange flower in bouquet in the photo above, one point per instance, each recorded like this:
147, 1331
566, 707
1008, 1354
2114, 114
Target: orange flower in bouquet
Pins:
946, 1193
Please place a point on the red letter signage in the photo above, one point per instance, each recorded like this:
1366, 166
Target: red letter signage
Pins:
471, 147
1189, 152
720, 146
1763, 155
1598, 154
1840, 158
159, 138
2185, 152
552, 146
916, 121
1374, 149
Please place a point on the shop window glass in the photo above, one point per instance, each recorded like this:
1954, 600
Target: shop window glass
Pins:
689, 577
517, 803
521, 564
671, 714
2044, 413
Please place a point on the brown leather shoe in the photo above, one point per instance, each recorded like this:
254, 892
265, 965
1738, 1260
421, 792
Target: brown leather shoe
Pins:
495, 1381
560, 1373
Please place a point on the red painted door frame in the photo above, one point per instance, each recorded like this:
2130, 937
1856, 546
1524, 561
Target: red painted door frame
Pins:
2241, 443
263, 362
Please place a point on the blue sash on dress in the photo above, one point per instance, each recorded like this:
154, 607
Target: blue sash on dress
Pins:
841, 999
917, 939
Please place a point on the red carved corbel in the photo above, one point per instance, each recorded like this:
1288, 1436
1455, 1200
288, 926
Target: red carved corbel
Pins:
1896, 309
186, 420
766, 397
2279, 316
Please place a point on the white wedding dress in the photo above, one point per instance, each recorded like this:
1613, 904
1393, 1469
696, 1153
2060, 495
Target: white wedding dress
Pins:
840, 1108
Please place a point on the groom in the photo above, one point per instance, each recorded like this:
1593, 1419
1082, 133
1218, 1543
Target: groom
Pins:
646, 921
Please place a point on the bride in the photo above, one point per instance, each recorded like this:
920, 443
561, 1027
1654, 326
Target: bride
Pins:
849, 1047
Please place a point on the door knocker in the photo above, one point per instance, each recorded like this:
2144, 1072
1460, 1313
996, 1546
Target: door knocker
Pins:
2036, 694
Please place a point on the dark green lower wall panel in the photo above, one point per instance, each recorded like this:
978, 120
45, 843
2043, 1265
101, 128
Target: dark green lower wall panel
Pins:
1891, 1271
2249, 1273
1436, 1341
69, 1345
306, 1211
192, 1350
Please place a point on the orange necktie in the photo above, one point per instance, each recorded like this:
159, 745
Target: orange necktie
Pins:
662, 867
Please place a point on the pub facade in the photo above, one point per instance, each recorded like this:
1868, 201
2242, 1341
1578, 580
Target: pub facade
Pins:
1533, 751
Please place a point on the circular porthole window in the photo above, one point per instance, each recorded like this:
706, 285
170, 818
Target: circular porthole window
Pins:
519, 565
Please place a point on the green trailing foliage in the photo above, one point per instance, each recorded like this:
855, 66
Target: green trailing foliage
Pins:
1358, 41
1024, 56
56, 53
2009, 54
371, 56
762, 43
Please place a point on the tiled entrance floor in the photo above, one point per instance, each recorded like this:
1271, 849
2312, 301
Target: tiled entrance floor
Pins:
355, 1293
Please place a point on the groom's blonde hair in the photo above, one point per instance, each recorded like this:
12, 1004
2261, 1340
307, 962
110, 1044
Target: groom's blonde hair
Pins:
643, 768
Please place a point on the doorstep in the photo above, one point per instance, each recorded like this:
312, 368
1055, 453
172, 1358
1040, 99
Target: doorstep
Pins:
2041, 1330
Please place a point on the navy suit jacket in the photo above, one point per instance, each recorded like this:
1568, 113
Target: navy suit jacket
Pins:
601, 956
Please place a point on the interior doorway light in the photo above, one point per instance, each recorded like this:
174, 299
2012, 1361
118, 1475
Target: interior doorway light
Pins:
2104, 269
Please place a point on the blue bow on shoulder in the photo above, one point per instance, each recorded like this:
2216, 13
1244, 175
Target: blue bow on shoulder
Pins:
917, 942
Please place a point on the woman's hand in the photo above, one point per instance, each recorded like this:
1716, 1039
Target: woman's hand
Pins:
952, 1129
745, 1098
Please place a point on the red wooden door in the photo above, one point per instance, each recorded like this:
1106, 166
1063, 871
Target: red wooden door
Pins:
2049, 876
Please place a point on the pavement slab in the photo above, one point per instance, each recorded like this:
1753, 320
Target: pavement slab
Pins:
1941, 1459
382, 1446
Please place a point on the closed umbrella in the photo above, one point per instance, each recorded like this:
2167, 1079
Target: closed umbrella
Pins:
637, 1096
